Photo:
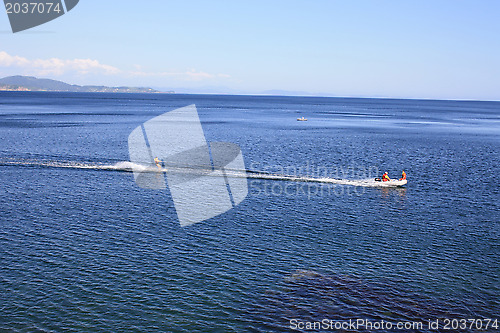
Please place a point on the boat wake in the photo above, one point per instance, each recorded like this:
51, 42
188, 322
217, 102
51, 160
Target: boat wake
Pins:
127, 166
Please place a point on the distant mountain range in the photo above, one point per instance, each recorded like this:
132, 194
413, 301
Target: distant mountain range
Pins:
30, 83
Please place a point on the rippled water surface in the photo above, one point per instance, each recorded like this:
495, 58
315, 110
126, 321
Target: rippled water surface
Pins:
82, 248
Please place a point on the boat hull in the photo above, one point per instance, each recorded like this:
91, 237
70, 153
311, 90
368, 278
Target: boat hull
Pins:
390, 183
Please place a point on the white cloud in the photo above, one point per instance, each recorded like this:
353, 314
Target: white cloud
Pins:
7, 60
56, 66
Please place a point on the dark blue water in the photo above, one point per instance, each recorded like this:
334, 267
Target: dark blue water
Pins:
82, 248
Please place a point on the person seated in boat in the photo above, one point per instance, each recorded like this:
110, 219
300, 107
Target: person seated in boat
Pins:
403, 176
385, 177
158, 162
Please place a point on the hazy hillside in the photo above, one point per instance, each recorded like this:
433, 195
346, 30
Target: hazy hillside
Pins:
30, 83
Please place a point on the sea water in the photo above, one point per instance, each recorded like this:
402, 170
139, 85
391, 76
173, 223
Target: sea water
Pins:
83, 248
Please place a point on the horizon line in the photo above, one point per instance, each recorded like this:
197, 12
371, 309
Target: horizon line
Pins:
298, 94
256, 95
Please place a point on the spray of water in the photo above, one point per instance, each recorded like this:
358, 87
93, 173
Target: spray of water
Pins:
127, 166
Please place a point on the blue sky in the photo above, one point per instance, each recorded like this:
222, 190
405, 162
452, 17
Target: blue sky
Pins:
419, 49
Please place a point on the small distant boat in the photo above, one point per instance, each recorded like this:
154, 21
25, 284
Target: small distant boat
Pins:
302, 119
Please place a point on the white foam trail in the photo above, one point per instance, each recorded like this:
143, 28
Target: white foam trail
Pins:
369, 182
127, 166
